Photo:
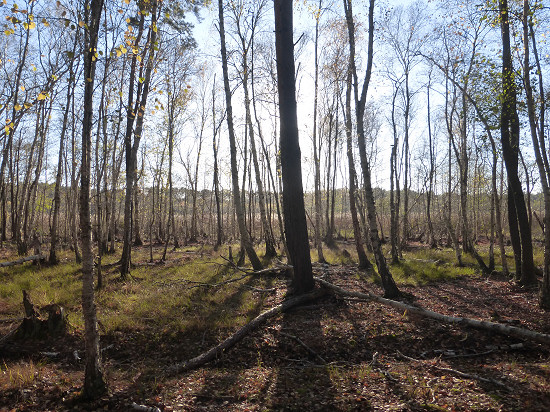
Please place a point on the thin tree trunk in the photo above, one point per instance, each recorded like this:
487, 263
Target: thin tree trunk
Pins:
364, 262
510, 130
390, 288
245, 237
94, 385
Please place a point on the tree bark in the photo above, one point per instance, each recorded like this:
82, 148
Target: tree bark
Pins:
390, 288
520, 231
364, 262
94, 385
245, 237
291, 165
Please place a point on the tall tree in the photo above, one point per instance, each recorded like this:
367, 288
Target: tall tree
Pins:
390, 288
536, 126
245, 236
94, 385
316, 150
520, 230
136, 110
291, 166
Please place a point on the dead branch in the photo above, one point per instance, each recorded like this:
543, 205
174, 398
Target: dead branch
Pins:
301, 343
276, 270
144, 408
474, 323
22, 260
217, 350
12, 320
457, 372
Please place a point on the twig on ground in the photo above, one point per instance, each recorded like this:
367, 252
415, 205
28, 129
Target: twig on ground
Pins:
457, 372
300, 342
11, 320
143, 408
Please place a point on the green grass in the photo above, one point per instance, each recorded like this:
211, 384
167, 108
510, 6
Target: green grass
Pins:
162, 298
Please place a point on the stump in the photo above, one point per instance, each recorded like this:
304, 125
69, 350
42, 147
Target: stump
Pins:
50, 320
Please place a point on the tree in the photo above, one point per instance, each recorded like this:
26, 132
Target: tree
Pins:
245, 237
536, 126
390, 288
291, 168
316, 160
136, 110
520, 230
94, 385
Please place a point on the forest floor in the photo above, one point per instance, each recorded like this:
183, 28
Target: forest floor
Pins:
334, 354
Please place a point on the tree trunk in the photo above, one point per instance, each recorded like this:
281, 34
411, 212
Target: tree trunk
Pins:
394, 187
364, 262
390, 288
291, 167
539, 144
137, 110
245, 237
510, 130
316, 149
94, 385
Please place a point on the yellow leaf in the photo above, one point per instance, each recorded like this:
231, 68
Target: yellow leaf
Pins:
17, 107
89, 79
7, 129
32, 25
118, 53
41, 96
7, 32
81, 23
45, 23
22, 88
27, 105
128, 20
127, 1
123, 49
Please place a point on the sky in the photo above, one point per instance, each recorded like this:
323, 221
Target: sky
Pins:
207, 38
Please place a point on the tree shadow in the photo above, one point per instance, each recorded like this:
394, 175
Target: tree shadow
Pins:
302, 377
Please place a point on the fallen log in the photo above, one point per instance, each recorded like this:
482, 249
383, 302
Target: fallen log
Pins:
22, 260
217, 350
474, 323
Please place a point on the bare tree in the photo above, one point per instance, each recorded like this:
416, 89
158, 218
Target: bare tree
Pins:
245, 237
291, 165
94, 385
390, 288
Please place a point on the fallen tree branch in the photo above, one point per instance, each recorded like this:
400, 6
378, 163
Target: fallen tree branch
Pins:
457, 372
217, 350
474, 323
267, 271
144, 408
301, 343
22, 260
11, 320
